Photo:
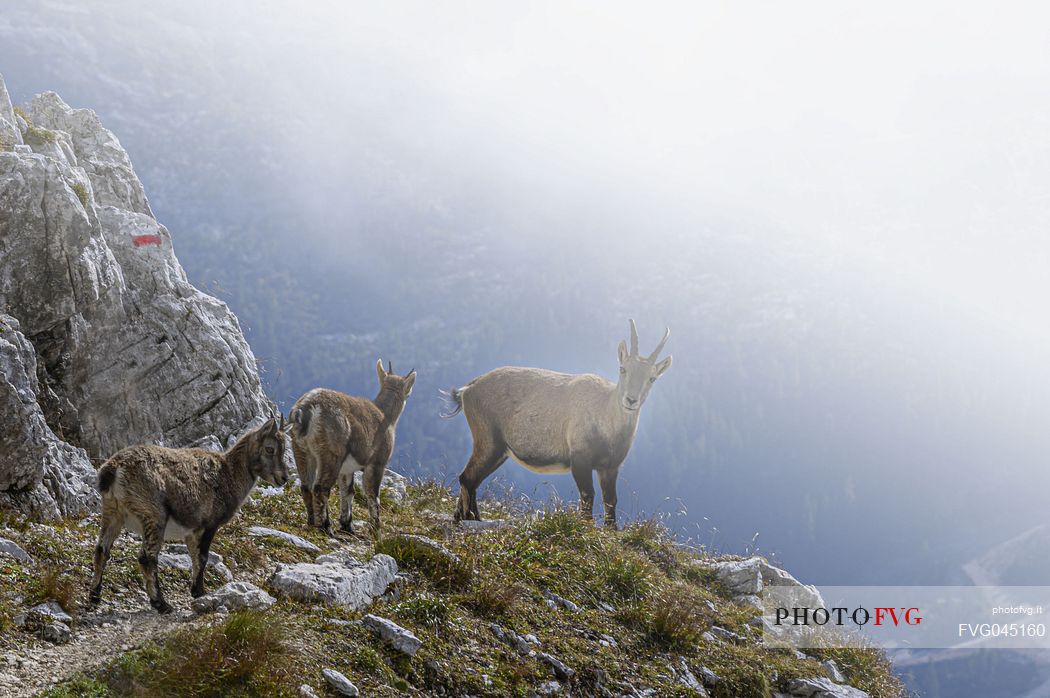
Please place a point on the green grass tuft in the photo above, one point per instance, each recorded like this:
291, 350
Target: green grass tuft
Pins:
39, 135
627, 577
82, 193
417, 555
425, 609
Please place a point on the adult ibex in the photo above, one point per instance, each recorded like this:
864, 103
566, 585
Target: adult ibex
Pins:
181, 494
335, 435
556, 423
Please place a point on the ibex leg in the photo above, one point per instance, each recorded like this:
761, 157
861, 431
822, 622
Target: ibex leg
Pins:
480, 466
585, 484
607, 480
112, 524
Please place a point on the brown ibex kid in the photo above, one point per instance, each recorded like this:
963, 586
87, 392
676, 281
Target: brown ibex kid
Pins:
181, 494
335, 435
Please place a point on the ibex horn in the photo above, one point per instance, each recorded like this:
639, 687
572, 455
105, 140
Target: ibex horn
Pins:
389, 366
660, 346
634, 338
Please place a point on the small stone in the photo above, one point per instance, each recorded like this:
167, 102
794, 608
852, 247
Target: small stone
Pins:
554, 601
486, 525
561, 671
511, 638
339, 683
57, 633
709, 677
548, 688
338, 584
42, 614
14, 550
233, 596
306, 692
724, 634
740, 577
687, 678
401, 639
297, 541
834, 673
823, 688
608, 608
178, 557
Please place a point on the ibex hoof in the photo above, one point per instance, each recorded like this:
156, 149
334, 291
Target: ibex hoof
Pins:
162, 606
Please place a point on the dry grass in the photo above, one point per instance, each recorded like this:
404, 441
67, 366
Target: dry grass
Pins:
493, 598
54, 584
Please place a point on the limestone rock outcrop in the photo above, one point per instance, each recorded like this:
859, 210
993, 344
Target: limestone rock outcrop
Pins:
125, 350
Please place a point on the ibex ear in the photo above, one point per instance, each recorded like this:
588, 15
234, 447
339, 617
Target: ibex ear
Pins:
623, 352
379, 371
269, 427
410, 380
663, 366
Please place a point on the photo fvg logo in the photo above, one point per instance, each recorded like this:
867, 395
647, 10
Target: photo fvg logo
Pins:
860, 616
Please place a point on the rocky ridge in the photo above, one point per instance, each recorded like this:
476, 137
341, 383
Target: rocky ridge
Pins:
539, 605
103, 341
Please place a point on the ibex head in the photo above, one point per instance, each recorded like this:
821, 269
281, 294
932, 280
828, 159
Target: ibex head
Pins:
638, 373
267, 452
400, 386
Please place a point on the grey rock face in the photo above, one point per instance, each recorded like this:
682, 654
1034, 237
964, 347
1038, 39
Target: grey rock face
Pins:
39, 473
350, 585
9, 547
128, 351
10, 134
402, 640
297, 541
233, 597
339, 683
823, 688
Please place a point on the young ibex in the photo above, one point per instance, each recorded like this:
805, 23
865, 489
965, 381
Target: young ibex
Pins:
335, 435
181, 494
556, 423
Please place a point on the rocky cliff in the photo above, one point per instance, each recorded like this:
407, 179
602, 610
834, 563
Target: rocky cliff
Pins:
103, 341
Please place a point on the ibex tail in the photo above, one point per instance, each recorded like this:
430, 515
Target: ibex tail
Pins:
453, 401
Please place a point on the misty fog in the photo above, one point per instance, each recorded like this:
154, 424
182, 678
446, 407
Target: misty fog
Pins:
840, 211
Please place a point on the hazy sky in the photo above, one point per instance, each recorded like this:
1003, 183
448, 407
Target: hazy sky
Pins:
891, 159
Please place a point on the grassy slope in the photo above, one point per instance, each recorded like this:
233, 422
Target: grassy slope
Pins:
662, 603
